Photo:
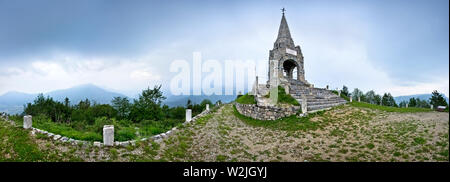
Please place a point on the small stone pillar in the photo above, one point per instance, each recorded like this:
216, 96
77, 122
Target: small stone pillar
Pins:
406, 105
431, 107
350, 98
27, 121
339, 93
108, 135
188, 115
304, 105
207, 107
359, 99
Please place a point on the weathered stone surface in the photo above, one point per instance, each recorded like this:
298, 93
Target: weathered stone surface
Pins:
64, 139
56, 137
163, 135
108, 135
207, 107
97, 144
265, 112
304, 105
27, 121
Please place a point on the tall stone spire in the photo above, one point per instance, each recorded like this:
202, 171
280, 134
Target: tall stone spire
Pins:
284, 38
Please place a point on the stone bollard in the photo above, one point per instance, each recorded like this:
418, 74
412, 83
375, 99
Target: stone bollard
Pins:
207, 107
188, 115
431, 107
304, 105
27, 121
339, 93
359, 99
406, 105
350, 98
108, 135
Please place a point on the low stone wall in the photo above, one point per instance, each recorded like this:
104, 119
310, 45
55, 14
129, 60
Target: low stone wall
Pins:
265, 112
64, 139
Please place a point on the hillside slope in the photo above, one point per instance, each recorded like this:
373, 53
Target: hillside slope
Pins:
344, 133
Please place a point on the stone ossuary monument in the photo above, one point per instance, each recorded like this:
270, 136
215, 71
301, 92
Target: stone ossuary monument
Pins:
286, 69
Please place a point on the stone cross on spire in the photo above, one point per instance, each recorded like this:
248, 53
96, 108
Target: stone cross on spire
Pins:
283, 10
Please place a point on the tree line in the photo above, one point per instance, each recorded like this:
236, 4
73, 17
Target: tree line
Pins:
148, 106
437, 99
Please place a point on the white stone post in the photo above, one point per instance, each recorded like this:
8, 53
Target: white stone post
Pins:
188, 115
339, 93
350, 98
359, 99
27, 121
406, 105
207, 107
431, 106
304, 105
108, 135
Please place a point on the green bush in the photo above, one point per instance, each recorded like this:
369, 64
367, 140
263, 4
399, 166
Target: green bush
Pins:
125, 134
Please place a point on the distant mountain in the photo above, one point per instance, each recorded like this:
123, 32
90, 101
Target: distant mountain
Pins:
12, 102
426, 97
82, 92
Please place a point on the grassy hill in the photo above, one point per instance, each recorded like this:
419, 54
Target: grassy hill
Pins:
351, 132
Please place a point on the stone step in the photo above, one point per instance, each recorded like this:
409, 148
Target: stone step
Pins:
323, 106
324, 103
310, 99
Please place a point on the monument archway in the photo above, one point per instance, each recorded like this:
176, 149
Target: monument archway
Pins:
290, 69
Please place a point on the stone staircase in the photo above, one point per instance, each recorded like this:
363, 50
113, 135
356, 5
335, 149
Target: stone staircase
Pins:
317, 98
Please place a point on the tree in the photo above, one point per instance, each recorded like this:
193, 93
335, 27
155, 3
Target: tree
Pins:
357, 93
388, 100
148, 106
412, 102
189, 104
378, 99
437, 99
371, 97
122, 106
344, 91
402, 104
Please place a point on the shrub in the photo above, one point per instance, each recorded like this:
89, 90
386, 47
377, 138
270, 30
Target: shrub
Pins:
125, 134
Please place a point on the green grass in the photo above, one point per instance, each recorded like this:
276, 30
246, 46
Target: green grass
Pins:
17, 145
124, 130
284, 98
389, 109
291, 123
342, 95
246, 99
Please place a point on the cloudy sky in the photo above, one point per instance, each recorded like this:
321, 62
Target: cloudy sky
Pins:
394, 46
